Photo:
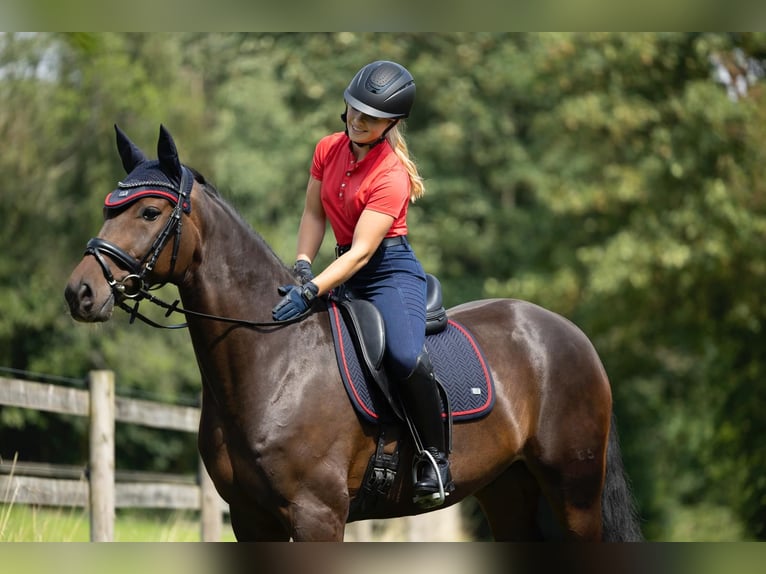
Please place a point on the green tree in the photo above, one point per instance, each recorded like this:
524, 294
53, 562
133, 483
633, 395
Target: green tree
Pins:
650, 176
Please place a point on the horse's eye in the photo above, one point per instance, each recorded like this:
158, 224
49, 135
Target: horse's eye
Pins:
150, 213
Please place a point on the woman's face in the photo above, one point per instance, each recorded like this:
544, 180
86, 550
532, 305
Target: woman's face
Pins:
363, 129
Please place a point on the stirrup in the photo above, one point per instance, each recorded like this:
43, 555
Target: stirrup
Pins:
432, 499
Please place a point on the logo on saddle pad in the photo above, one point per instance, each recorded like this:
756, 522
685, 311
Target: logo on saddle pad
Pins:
458, 363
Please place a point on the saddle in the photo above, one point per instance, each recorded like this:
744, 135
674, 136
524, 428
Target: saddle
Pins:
368, 334
466, 382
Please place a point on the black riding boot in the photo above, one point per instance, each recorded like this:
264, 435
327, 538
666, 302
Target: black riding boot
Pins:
421, 399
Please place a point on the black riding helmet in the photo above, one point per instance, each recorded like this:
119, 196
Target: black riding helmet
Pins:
382, 89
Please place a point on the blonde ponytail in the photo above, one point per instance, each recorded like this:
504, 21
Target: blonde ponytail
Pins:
397, 142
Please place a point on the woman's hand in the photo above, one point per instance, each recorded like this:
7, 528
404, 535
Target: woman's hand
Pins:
295, 302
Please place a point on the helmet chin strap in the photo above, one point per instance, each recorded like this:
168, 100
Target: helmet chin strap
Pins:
371, 145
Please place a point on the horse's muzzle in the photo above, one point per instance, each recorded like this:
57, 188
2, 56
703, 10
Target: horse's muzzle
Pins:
89, 303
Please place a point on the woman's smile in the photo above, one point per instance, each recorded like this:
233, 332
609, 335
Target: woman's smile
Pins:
363, 128
357, 129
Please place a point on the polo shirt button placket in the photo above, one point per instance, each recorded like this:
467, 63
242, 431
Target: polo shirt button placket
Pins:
351, 168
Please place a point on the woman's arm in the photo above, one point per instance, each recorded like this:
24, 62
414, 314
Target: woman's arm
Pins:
368, 234
312, 227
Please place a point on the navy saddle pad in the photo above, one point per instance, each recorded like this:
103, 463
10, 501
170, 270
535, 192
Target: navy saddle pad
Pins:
458, 362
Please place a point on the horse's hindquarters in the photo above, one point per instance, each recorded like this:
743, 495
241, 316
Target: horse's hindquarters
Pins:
553, 406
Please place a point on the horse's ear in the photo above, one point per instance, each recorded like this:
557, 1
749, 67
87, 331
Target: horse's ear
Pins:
129, 153
168, 155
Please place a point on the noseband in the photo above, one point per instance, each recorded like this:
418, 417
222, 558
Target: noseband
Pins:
135, 285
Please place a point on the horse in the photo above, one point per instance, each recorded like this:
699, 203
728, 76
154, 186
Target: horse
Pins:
277, 433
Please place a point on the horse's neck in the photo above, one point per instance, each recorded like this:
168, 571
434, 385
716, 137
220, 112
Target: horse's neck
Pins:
237, 277
238, 273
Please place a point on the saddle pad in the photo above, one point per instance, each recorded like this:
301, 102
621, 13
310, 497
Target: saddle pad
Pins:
458, 362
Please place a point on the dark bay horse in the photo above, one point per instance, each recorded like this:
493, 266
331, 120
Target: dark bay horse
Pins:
278, 434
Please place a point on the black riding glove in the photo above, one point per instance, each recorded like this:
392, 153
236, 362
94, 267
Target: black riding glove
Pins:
302, 271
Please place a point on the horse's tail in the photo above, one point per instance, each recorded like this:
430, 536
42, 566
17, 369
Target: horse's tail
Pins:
618, 507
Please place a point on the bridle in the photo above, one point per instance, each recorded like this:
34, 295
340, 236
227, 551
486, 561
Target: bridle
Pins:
135, 285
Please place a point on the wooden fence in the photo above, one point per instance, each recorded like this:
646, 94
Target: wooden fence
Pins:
101, 489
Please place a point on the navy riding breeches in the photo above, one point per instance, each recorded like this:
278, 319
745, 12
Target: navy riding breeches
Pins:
395, 282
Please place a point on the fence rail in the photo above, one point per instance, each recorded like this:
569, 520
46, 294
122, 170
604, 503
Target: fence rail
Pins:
66, 400
99, 486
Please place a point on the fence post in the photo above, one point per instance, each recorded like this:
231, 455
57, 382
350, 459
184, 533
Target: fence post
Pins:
211, 513
102, 487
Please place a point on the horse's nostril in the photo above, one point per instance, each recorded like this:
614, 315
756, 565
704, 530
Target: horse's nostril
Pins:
79, 297
85, 296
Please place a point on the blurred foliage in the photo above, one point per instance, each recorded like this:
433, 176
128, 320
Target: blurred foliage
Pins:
615, 178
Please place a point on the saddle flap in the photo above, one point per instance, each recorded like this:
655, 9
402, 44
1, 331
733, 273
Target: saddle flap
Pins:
367, 324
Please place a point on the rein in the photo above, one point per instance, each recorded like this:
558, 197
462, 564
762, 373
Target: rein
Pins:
173, 308
134, 286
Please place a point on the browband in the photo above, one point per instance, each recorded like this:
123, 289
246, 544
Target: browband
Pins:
129, 191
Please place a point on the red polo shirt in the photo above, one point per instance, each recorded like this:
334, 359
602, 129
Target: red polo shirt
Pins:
379, 182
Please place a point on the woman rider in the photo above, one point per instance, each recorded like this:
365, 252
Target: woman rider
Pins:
362, 180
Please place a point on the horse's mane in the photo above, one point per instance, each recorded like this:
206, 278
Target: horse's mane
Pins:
207, 186
213, 192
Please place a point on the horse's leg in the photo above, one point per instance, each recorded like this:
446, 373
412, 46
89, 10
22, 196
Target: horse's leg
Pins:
510, 504
524, 506
576, 502
570, 471
306, 518
319, 503
567, 452
253, 524
248, 522
313, 520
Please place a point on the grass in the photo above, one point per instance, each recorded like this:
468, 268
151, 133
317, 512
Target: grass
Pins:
25, 523
703, 523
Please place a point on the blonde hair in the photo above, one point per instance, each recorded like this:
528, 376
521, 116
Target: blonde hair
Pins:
397, 142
